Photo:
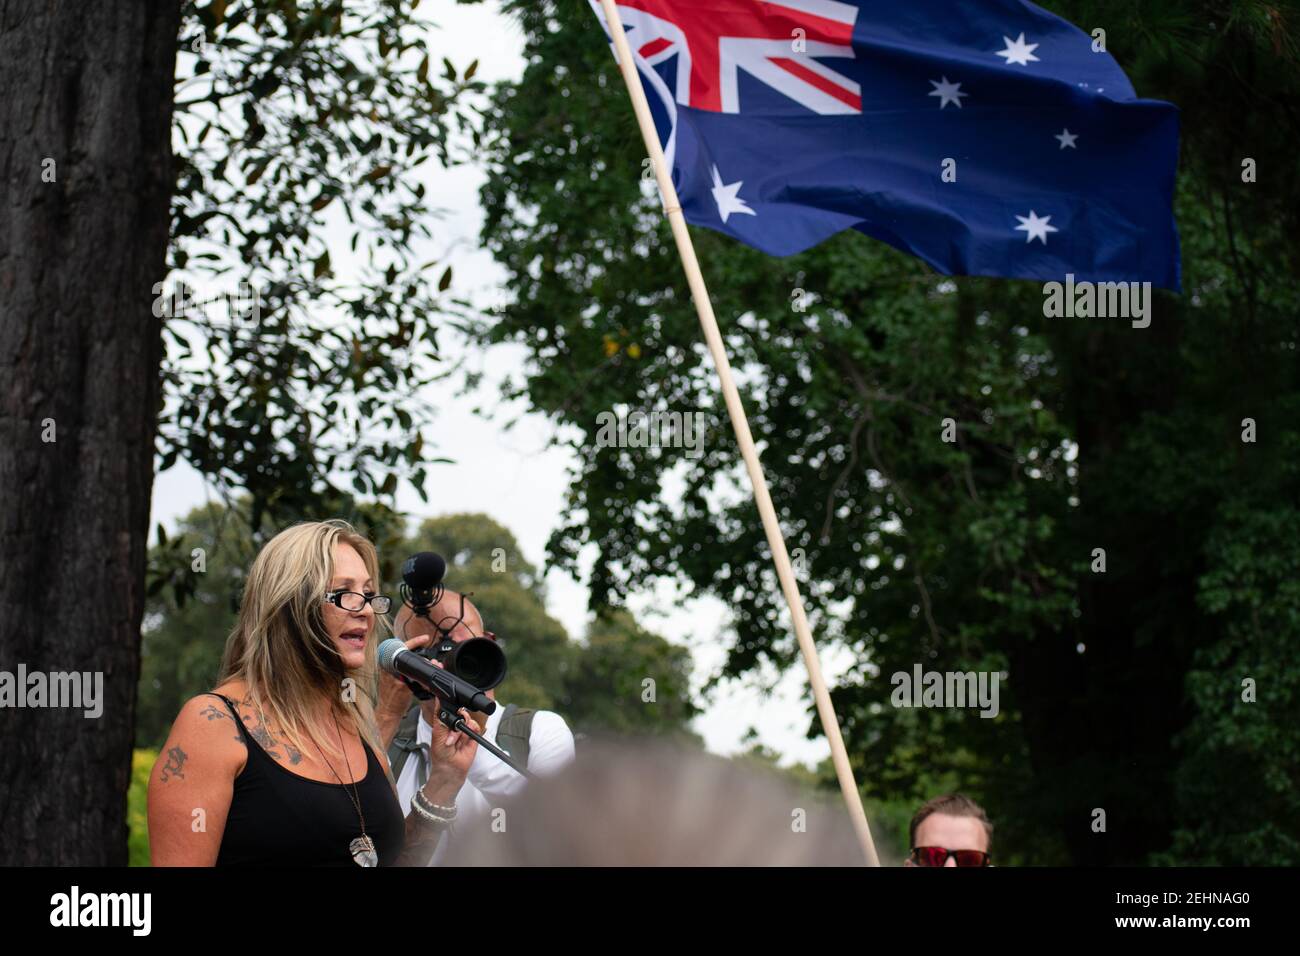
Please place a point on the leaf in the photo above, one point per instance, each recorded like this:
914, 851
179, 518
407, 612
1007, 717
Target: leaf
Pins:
469, 73
445, 282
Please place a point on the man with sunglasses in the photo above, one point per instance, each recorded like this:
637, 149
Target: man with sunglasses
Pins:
952, 830
538, 740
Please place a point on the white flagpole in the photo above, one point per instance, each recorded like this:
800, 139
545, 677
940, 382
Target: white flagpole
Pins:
704, 307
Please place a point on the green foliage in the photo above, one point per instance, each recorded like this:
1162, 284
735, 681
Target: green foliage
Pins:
137, 807
1236, 733
609, 688
292, 117
1072, 435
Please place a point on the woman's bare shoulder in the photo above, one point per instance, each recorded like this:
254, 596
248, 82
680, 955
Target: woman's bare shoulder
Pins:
268, 736
206, 719
234, 688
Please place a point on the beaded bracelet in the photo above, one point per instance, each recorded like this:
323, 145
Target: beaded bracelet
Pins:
432, 813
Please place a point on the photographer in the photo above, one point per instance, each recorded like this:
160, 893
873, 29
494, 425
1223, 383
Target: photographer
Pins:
539, 740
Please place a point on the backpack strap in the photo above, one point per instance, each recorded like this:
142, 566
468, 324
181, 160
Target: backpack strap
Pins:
405, 741
514, 732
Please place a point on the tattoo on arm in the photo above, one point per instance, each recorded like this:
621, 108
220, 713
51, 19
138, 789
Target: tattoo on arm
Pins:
268, 742
264, 738
212, 712
421, 841
175, 761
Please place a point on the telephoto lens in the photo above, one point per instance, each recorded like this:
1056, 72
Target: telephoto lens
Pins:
479, 661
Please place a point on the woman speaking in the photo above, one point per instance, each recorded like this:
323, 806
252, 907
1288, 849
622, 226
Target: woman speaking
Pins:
281, 765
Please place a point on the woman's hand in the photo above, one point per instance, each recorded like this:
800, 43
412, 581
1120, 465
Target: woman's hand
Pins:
450, 755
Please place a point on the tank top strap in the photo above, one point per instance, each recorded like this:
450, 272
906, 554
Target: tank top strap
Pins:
239, 722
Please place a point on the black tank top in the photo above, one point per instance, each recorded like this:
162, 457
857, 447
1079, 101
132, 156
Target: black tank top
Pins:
279, 818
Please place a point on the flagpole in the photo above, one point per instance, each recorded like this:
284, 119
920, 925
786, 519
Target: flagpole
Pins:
704, 308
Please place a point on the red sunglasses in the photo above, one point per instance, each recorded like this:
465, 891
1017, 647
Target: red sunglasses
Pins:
938, 856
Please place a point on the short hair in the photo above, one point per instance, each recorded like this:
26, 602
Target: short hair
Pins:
640, 802
953, 805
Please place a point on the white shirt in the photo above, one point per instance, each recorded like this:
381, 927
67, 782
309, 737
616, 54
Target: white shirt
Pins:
550, 750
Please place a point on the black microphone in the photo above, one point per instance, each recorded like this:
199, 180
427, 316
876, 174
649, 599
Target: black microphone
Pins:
422, 581
396, 658
423, 571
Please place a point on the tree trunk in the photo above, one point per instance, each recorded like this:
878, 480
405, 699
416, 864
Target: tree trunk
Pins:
86, 173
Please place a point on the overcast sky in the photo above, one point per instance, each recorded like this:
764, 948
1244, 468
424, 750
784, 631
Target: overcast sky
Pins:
514, 477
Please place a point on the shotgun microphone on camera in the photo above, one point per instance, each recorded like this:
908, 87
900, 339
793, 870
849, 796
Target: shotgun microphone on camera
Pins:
422, 581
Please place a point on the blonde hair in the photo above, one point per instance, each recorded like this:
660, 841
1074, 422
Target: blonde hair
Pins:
280, 647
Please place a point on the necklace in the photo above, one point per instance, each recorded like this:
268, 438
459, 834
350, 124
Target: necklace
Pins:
363, 847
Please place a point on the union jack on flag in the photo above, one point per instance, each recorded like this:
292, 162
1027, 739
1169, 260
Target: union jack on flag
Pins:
987, 137
710, 46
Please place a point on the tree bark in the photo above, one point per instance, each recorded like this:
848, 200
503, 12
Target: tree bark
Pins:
86, 179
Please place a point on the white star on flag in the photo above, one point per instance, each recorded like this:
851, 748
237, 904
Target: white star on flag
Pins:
1035, 227
726, 198
1067, 139
1018, 51
947, 92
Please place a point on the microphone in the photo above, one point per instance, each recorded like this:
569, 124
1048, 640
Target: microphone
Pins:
423, 571
422, 581
396, 658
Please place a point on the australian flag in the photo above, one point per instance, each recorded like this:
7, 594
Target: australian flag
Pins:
987, 137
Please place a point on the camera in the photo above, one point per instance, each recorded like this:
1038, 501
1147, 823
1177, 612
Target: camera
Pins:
479, 660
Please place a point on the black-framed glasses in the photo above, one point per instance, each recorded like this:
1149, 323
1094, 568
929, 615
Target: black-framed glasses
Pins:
355, 601
938, 856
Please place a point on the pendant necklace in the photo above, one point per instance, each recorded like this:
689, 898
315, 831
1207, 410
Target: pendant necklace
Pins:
363, 847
